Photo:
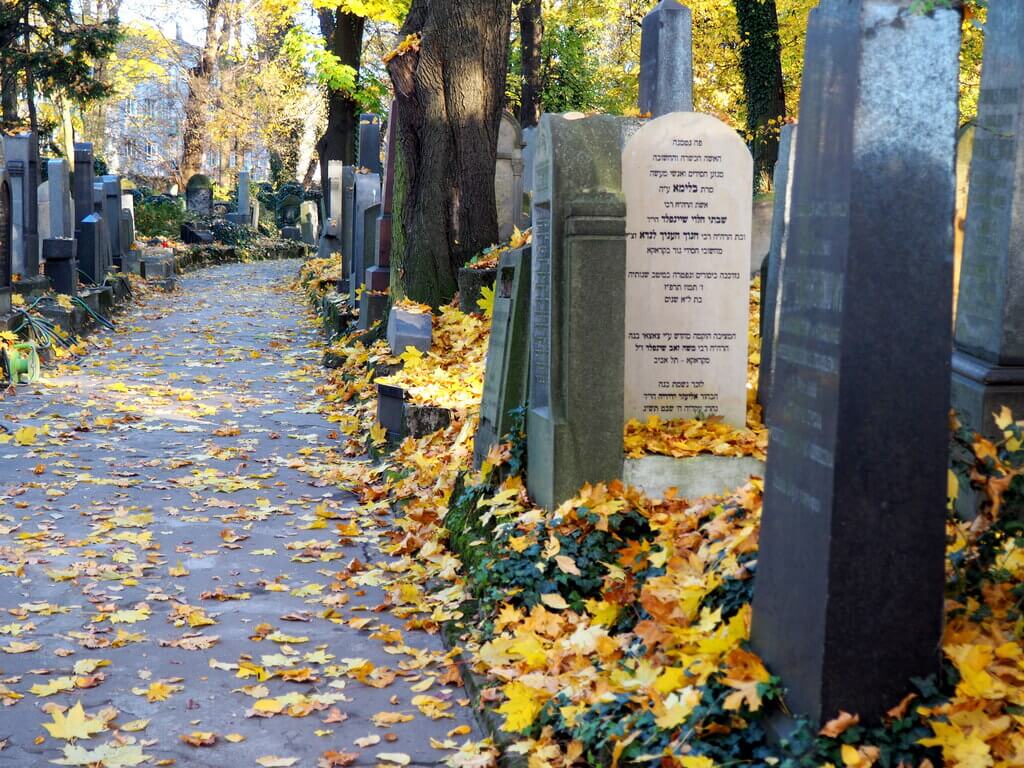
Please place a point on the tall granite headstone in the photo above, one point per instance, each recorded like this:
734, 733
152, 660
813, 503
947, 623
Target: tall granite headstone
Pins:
508, 176
22, 153
507, 372
6, 236
367, 194
112, 215
330, 238
988, 365
687, 179
577, 305
43, 207
372, 307
199, 194
378, 276
666, 60
369, 143
348, 221
848, 602
771, 284
61, 202
85, 177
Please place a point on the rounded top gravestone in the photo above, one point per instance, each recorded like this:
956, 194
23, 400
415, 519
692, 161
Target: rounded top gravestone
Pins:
687, 179
199, 181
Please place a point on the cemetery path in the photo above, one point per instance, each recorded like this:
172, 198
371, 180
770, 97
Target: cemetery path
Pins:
166, 554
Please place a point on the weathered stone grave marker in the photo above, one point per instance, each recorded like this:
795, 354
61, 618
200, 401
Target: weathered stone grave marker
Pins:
243, 216
369, 143
347, 225
112, 215
199, 194
848, 600
330, 238
309, 222
378, 276
774, 266
988, 365
371, 307
508, 176
61, 264
22, 154
367, 194
666, 60
85, 177
687, 179
94, 256
6, 236
508, 352
61, 203
577, 306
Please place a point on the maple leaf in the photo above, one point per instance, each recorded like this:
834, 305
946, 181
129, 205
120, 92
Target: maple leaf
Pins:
486, 301
158, 691
200, 738
522, 706
57, 685
26, 436
73, 724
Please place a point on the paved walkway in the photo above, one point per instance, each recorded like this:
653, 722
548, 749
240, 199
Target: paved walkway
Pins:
162, 501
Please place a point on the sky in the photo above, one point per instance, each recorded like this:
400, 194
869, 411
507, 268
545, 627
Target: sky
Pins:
165, 14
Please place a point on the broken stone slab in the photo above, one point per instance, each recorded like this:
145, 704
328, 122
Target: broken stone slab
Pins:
410, 329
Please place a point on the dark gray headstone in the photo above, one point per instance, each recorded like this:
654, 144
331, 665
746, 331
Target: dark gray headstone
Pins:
84, 179
774, 265
94, 257
199, 194
371, 307
348, 219
666, 60
112, 214
127, 230
61, 265
508, 352
378, 277
575, 419
369, 143
367, 194
6, 235
848, 601
988, 366
22, 158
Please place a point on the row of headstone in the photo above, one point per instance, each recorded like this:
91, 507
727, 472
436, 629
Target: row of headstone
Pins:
638, 305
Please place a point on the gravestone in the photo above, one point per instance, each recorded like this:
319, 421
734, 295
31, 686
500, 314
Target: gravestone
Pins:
687, 179
988, 365
409, 329
309, 222
6, 236
243, 216
61, 264
347, 224
369, 143
848, 601
85, 177
62, 219
43, 206
94, 257
112, 216
127, 231
372, 306
199, 194
529, 152
378, 276
666, 60
98, 197
577, 302
288, 210
367, 194
508, 352
22, 154
771, 282
508, 177
330, 240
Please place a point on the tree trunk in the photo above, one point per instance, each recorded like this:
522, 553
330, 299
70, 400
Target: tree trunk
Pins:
343, 33
9, 87
450, 95
194, 133
761, 62
531, 32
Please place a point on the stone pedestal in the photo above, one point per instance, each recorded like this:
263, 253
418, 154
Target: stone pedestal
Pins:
61, 265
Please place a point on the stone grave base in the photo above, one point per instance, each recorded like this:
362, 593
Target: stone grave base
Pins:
337, 314
30, 287
374, 309
693, 477
401, 417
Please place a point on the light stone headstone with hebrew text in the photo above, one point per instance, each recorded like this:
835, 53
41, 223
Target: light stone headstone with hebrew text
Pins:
687, 179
